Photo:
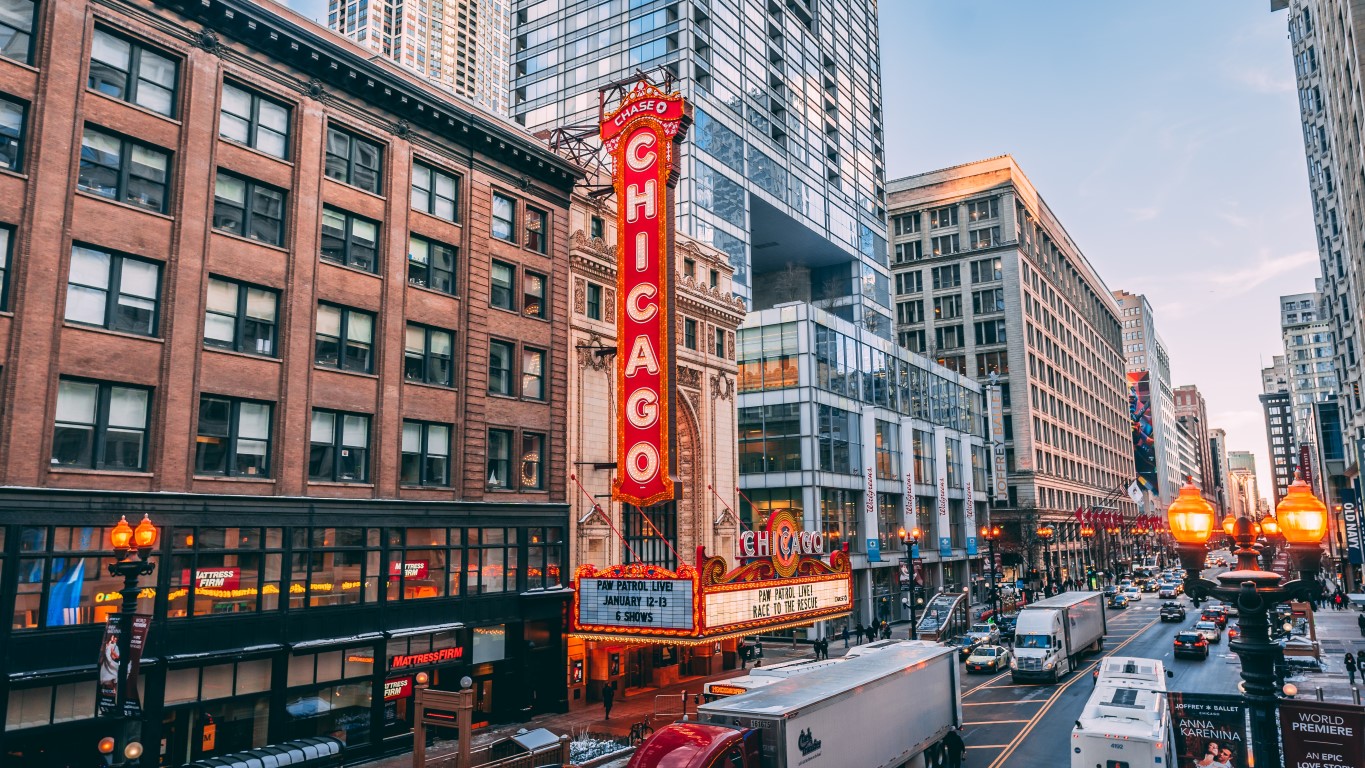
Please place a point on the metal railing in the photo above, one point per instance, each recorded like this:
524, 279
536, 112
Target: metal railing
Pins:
505, 753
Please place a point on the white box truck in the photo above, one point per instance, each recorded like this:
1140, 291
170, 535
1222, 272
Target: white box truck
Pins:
855, 713
1127, 720
1050, 635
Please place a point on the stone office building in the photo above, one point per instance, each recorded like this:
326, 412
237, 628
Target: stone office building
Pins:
225, 231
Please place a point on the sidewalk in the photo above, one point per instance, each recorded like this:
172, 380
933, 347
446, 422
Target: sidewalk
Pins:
1338, 633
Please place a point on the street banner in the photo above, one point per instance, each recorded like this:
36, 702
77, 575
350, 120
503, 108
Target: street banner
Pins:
909, 518
1210, 729
108, 702
969, 496
1306, 463
1350, 515
999, 474
1144, 437
869, 523
944, 526
1316, 734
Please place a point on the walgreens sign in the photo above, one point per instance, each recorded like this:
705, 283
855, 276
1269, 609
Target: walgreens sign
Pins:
642, 136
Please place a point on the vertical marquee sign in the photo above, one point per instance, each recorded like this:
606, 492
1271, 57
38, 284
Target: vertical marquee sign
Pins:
643, 135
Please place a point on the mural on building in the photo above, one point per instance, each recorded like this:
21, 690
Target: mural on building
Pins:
1144, 439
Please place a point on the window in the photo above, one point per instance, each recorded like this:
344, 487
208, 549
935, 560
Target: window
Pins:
990, 332
720, 342
533, 295
985, 302
490, 566
770, 438
426, 454
345, 338
101, 426
537, 230
984, 238
234, 437
909, 312
944, 244
428, 356
131, 72
500, 356
350, 240
986, 270
907, 224
909, 282
123, 170
912, 340
983, 209
113, 291
943, 217
504, 218
532, 461
435, 192
597, 227
992, 362
254, 120
6, 238
431, 264
594, 301
339, 447
353, 160
500, 459
689, 333
947, 307
248, 208
11, 128
240, 317
947, 277
948, 337
16, 29
533, 373
500, 280
911, 251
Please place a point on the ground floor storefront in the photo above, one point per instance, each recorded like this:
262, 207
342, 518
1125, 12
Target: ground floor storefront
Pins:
277, 619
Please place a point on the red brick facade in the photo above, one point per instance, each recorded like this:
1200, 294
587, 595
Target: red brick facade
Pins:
49, 214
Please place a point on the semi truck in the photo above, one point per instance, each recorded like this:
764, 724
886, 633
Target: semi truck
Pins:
1127, 720
1050, 635
805, 720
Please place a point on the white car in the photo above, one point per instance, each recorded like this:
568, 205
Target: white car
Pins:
989, 633
988, 658
1210, 630
1132, 593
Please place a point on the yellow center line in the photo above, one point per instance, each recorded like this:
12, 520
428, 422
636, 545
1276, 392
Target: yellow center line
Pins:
1000, 703
1026, 730
983, 685
987, 746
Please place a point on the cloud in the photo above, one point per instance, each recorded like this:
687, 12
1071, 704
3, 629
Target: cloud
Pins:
1144, 214
1276, 80
1263, 270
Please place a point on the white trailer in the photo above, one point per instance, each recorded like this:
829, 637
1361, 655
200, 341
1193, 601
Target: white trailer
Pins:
1050, 635
761, 676
1127, 721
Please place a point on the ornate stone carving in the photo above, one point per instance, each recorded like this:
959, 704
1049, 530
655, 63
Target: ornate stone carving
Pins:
588, 357
722, 387
402, 129
580, 296
208, 40
689, 377
730, 345
314, 89
609, 311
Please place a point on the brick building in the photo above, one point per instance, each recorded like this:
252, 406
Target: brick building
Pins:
225, 230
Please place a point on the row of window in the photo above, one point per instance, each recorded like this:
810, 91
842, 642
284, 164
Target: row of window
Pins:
104, 426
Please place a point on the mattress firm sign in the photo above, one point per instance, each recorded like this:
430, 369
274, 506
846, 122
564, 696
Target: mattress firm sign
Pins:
636, 603
775, 603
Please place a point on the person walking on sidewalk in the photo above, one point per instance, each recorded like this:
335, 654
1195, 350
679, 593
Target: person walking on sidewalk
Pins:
1350, 668
1360, 664
845, 633
608, 698
1360, 621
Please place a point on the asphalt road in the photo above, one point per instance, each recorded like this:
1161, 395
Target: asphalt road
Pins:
1015, 725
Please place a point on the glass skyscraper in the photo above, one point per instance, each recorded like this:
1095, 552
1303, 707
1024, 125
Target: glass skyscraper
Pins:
783, 168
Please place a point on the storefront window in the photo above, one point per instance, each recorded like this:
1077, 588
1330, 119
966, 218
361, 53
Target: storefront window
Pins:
418, 570
50, 704
340, 711
224, 570
334, 566
62, 580
491, 560
490, 644
545, 552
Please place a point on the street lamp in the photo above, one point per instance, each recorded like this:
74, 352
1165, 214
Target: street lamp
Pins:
908, 540
1088, 534
991, 533
1045, 533
1302, 520
133, 548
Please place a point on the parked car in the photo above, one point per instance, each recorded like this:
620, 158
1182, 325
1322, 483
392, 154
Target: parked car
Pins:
1118, 602
1215, 614
1005, 622
988, 658
1172, 612
1210, 630
1166, 591
966, 645
1191, 644
986, 633
1133, 594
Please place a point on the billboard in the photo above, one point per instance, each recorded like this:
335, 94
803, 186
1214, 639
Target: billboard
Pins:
1210, 729
642, 135
1144, 438
1315, 734
1350, 516
999, 473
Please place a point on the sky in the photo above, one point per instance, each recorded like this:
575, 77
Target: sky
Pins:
1163, 134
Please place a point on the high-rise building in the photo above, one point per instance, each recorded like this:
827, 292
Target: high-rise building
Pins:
1191, 411
1218, 450
989, 283
1149, 377
1325, 36
1279, 434
1243, 495
783, 166
1275, 377
1187, 453
460, 44
1311, 375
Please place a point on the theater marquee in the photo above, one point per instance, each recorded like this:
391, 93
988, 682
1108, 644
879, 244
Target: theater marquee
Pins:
643, 135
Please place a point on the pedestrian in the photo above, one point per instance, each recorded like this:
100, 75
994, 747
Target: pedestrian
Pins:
871, 632
845, 633
824, 647
858, 634
608, 698
956, 749
1350, 668
1360, 621
1360, 664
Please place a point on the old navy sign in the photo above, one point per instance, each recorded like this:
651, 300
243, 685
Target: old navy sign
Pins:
642, 136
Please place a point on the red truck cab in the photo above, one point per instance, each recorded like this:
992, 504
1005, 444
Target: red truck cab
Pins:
695, 745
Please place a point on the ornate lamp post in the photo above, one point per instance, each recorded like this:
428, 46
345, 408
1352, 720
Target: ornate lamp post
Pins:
1088, 535
1270, 531
908, 540
133, 548
1045, 533
1303, 522
991, 533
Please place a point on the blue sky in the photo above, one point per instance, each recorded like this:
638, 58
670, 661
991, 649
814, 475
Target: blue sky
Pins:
1163, 134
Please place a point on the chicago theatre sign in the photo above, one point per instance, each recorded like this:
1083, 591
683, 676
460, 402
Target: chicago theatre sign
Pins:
642, 136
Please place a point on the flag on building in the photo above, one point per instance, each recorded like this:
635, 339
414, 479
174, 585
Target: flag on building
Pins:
1135, 492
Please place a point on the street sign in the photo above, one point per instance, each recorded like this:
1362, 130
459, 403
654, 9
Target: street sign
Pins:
1316, 733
